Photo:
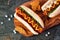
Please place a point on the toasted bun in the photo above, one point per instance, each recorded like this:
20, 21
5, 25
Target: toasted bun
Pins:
34, 15
20, 28
47, 4
51, 8
55, 12
25, 23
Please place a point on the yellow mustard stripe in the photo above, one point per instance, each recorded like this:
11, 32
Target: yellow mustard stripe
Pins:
32, 22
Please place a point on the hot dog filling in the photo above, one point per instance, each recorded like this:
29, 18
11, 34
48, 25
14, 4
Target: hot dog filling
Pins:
35, 25
52, 8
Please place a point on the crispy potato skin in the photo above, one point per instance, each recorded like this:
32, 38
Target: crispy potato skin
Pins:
49, 22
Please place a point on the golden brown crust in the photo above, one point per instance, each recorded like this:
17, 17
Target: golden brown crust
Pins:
21, 28
35, 5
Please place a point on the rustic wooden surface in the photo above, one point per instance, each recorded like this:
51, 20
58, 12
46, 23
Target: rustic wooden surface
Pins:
7, 7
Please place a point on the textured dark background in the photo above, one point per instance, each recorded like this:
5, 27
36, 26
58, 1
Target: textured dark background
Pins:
7, 7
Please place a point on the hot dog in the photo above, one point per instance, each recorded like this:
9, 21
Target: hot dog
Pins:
51, 7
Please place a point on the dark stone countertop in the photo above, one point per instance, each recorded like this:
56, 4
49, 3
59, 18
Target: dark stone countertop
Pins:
7, 7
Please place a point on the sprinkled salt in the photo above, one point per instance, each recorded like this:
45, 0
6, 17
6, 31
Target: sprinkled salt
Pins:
9, 19
1, 22
14, 31
48, 32
11, 16
6, 16
46, 35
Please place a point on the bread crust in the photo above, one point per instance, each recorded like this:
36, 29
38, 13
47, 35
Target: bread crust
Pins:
22, 29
